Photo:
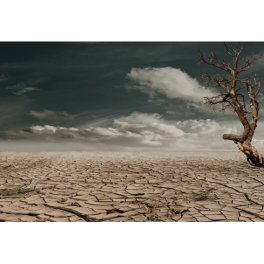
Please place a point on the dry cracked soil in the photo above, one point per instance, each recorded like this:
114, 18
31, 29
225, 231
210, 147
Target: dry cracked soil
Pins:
131, 187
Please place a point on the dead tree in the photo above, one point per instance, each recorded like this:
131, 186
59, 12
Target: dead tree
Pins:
229, 83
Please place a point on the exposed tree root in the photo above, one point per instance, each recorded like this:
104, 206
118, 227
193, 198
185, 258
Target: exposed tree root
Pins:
254, 157
254, 162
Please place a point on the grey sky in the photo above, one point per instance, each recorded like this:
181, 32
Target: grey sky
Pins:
107, 96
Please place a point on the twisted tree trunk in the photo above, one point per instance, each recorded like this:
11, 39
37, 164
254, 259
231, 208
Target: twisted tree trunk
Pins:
254, 157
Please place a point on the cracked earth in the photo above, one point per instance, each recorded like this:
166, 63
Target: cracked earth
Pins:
130, 187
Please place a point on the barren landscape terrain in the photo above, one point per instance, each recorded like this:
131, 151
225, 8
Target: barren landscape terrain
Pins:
130, 187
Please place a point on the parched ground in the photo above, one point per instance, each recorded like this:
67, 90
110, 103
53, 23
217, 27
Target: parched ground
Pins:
131, 187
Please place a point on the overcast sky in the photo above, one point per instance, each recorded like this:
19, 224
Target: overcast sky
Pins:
114, 96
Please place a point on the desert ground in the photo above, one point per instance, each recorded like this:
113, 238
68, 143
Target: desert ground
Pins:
130, 187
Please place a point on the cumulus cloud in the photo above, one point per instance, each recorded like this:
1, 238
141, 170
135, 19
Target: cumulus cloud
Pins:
138, 131
53, 115
139, 128
173, 83
203, 127
139, 122
21, 88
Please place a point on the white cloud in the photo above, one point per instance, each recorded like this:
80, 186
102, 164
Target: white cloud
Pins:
54, 115
171, 82
138, 132
174, 83
205, 127
149, 125
21, 88
140, 129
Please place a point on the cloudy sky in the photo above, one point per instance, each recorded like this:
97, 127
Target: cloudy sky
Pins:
114, 96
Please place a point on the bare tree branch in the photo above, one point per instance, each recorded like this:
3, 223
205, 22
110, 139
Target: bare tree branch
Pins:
230, 96
248, 62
